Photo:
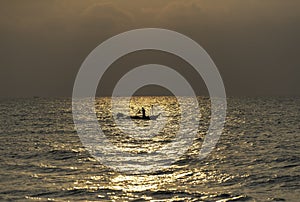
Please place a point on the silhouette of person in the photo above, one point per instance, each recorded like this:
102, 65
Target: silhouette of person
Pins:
144, 112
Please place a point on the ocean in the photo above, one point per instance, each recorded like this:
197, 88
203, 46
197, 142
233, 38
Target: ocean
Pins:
257, 157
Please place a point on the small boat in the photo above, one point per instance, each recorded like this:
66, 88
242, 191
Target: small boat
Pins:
145, 117
140, 117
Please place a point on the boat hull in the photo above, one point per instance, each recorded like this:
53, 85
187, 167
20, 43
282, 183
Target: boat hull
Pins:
139, 117
144, 118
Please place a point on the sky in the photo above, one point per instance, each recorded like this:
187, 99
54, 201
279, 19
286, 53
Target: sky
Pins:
254, 43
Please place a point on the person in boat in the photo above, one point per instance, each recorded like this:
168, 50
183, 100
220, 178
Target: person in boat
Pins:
143, 112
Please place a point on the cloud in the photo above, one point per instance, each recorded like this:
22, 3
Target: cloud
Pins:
179, 13
107, 17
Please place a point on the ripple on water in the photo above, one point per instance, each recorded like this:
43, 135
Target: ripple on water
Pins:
256, 159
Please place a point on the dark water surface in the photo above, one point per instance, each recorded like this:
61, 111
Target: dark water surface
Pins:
256, 159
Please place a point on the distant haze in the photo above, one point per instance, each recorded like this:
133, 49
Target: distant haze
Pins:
254, 43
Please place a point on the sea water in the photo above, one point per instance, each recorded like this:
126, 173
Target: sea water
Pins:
257, 158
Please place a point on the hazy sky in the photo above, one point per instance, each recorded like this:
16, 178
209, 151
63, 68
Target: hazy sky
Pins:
254, 43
